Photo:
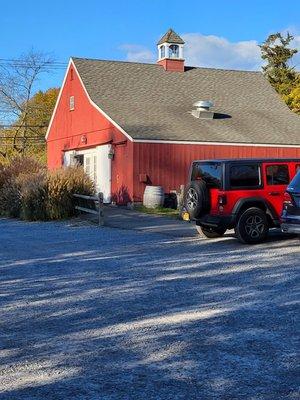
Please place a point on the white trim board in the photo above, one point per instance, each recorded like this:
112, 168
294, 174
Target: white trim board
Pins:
58, 100
216, 143
98, 108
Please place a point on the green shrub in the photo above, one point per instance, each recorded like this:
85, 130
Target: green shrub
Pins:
62, 184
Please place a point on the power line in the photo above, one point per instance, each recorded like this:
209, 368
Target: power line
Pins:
28, 144
55, 65
26, 62
22, 126
27, 140
20, 60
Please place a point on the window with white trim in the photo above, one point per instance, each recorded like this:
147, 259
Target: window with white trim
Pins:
72, 103
95, 169
87, 165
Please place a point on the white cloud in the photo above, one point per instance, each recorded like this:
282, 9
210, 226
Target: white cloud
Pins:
213, 52
296, 59
137, 53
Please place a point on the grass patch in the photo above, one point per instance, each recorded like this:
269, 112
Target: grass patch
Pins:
158, 211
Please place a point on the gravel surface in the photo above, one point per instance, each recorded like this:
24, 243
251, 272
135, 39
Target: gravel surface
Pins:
91, 313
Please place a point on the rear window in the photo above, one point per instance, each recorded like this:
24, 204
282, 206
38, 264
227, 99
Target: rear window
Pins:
245, 175
211, 173
278, 174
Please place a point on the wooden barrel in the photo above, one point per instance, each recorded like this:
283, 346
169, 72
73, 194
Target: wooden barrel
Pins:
153, 196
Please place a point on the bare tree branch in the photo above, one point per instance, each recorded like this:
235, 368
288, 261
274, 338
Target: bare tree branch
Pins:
17, 83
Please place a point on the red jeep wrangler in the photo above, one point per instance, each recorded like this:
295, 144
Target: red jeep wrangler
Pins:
244, 194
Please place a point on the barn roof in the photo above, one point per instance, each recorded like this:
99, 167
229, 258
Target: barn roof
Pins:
150, 103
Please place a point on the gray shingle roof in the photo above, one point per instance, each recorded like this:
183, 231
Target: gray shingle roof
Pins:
171, 37
150, 103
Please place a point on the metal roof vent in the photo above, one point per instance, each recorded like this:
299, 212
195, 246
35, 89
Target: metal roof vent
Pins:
202, 110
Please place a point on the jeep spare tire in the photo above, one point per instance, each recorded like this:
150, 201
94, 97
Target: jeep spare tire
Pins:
197, 200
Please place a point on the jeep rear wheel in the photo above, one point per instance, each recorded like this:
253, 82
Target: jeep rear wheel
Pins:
210, 233
252, 226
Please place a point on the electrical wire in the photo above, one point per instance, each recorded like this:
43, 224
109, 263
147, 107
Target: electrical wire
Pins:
51, 65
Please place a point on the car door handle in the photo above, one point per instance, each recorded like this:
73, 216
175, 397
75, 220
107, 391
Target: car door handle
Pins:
274, 193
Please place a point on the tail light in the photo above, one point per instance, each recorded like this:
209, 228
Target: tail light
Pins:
222, 199
287, 200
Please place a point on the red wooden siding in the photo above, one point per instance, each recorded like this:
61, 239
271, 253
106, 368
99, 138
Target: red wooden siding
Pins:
68, 127
168, 164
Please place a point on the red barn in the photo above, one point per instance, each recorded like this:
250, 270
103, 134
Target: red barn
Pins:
132, 124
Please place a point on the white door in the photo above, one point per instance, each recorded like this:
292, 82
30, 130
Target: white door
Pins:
97, 165
104, 171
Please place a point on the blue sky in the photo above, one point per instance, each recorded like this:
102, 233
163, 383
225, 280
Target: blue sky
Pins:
222, 33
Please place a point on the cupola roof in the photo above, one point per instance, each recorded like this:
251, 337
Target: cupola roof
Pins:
171, 37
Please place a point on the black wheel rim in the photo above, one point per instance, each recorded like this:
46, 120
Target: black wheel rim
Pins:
254, 226
192, 199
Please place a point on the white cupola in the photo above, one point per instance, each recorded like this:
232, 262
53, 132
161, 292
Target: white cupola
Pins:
170, 52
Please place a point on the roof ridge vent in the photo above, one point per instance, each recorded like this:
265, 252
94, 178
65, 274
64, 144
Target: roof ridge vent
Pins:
202, 110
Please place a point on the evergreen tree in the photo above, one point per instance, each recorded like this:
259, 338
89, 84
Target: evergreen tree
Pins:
277, 53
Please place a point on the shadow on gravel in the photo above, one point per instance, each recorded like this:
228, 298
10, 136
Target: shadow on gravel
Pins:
91, 314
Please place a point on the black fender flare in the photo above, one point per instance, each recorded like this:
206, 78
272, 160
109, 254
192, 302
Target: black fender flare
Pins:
251, 202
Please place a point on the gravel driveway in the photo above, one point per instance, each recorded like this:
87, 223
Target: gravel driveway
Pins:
90, 313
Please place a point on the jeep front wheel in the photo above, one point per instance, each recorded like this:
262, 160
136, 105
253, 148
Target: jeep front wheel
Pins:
252, 226
210, 233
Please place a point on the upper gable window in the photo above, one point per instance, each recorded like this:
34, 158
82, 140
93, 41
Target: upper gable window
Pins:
174, 51
71, 74
72, 103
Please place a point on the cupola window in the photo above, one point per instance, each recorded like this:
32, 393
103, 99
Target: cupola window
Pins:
174, 51
162, 52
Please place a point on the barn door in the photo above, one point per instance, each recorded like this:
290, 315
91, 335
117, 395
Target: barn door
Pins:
104, 171
97, 165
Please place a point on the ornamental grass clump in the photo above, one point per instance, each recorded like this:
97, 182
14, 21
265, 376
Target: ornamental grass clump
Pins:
30, 192
33, 196
17, 166
10, 185
10, 202
62, 184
